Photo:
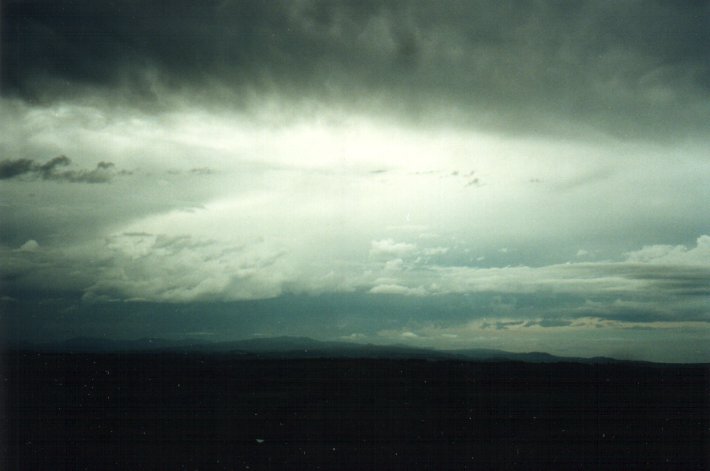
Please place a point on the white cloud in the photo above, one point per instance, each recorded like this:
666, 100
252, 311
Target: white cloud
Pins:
653, 281
394, 264
179, 269
435, 251
674, 254
29, 246
397, 289
388, 247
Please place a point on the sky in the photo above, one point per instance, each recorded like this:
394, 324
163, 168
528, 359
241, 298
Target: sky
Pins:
521, 175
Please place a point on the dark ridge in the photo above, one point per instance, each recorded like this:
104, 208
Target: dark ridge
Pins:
219, 410
302, 347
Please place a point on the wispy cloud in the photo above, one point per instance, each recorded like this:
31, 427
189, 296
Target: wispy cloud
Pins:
55, 169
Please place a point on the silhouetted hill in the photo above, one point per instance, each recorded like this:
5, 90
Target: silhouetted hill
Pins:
529, 357
301, 347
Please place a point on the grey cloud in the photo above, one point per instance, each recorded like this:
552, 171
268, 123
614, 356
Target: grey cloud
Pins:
52, 170
15, 168
625, 67
641, 309
48, 170
33, 268
671, 284
657, 271
680, 282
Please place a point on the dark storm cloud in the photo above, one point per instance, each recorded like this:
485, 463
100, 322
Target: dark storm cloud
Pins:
15, 168
630, 67
53, 170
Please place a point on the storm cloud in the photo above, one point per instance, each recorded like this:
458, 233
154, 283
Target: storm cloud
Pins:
627, 68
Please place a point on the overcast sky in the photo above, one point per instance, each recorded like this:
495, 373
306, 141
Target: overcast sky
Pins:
515, 175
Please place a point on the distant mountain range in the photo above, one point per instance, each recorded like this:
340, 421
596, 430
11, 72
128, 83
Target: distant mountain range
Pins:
298, 347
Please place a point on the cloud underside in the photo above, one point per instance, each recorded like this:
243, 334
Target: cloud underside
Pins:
625, 68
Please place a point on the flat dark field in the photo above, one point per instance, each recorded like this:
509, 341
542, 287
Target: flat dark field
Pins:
217, 411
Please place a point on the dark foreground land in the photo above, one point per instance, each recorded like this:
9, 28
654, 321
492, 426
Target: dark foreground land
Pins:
220, 411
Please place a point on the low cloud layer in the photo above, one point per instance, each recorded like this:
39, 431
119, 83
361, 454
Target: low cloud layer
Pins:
671, 285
